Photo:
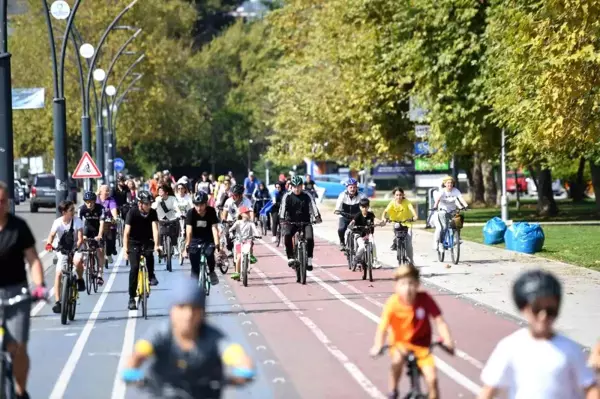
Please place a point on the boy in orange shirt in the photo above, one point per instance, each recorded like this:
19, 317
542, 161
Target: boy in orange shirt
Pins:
406, 318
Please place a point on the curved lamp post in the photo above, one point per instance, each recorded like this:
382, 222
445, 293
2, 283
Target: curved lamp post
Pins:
119, 99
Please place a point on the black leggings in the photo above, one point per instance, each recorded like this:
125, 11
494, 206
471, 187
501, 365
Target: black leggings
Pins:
134, 254
194, 255
288, 232
274, 220
342, 227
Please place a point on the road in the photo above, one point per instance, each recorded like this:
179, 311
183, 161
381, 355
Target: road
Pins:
308, 341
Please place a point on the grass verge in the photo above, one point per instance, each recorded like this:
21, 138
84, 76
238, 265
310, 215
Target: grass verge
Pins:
576, 245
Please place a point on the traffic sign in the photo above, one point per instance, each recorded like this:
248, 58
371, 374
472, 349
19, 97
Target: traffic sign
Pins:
86, 168
118, 164
422, 148
422, 131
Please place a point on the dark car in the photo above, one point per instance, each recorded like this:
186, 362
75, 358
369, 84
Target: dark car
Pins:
43, 192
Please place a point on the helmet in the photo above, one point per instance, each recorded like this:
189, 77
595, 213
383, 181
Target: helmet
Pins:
238, 189
244, 209
188, 293
351, 182
364, 202
145, 197
221, 179
200, 198
89, 196
296, 181
534, 284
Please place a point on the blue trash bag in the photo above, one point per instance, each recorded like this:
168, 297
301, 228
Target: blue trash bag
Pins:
266, 209
493, 231
524, 237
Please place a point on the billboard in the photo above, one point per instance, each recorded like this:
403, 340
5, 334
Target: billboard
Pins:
28, 98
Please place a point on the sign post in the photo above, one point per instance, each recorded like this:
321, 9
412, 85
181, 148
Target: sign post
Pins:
86, 169
118, 164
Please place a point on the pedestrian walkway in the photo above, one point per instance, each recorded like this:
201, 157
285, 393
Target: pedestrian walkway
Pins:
485, 274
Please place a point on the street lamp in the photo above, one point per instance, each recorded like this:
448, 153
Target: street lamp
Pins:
250, 155
7, 167
117, 100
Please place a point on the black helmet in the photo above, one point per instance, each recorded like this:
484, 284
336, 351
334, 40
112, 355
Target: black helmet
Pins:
238, 189
364, 202
200, 198
145, 197
296, 181
89, 196
534, 284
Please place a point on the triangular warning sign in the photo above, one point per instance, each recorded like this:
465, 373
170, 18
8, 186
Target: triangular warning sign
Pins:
86, 168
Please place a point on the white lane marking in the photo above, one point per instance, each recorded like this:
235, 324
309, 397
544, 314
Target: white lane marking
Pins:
460, 354
441, 365
119, 387
62, 382
350, 367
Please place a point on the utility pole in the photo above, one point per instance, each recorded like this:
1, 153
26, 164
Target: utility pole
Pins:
7, 166
504, 198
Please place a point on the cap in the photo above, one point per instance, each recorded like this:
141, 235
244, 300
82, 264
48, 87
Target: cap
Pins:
244, 209
251, 173
187, 292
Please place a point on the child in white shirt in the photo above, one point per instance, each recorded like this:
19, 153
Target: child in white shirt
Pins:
535, 362
244, 230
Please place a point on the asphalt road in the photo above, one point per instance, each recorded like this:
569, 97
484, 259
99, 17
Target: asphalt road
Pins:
308, 341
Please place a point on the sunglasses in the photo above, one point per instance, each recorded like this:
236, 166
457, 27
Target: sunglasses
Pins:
551, 311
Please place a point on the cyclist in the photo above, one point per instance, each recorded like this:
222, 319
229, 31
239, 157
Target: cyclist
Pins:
260, 196
243, 229
187, 353
223, 194
110, 216
406, 315
536, 361
398, 210
92, 215
309, 186
166, 206
16, 244
364, 218
250, 184
230, 209
446, 201
276, 198
298, 206
203, 184
67, 231
141, 232
201, 228
347, 203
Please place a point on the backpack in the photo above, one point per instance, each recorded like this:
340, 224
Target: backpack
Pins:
67, 241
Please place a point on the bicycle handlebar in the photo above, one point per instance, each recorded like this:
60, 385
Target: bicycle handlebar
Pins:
343, 214
25, 296
438, 343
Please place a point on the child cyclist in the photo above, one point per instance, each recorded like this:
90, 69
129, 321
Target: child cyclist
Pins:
364, 218
535, 362
243, 229
406, 317
189, 357
398, 210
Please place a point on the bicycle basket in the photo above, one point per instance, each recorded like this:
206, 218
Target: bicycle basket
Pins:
170, 229
456, 222
400, 230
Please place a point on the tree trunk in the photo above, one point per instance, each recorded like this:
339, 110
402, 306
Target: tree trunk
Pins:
477, 187
546, 205
595, 169
489, 182
577, 187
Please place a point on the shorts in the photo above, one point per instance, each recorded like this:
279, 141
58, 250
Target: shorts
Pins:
17, 317
62, 261
423, 353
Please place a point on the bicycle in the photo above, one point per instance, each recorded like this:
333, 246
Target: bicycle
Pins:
369, 253
7, 382
203, 272
69, 293
223, 260
167, 230
143, 281
400, 234
91, 265
300, 251
120, 231
263, 217
348, 248
451, 237
181, 240
245, 253
413, 370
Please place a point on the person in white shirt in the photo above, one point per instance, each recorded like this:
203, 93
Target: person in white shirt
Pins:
230, 210
166, 207
66, 234
447, 200
244, 229
535, 362
183, 201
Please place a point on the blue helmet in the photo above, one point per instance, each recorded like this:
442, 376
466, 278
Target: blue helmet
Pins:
89, 196
351, 182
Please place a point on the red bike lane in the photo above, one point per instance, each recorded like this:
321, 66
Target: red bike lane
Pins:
321, 332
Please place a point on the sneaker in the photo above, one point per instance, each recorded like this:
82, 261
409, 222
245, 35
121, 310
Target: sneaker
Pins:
25, 395
235, 276
80, 285
100, 281
153, 281
252, 259
56, 307
274, 240
131, 305
377, 265
110, 259
291, 262
309, 266
214, 279
342, 247
394, 247
393, 395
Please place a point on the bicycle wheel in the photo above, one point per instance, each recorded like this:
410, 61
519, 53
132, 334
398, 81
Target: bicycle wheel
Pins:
245, 261
264, 220
224, 263
88, 275
73, 300
65, 296
168, 253
443, 251
349, 256
202, 276
144, 297
279, 237
455, 250
96, 269
370, 262
302, 266
7, 383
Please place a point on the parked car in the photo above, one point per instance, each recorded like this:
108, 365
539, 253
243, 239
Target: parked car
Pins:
43, 192
19, 191
335, 184
513, 184
26, 187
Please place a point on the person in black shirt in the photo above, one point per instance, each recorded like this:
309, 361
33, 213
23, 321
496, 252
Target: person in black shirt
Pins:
92, 215
298, 206
17, 243
277, 197
309, 186
140, 238
363, 219
201, 228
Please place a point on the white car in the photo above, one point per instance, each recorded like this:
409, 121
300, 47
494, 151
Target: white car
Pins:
20, 191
